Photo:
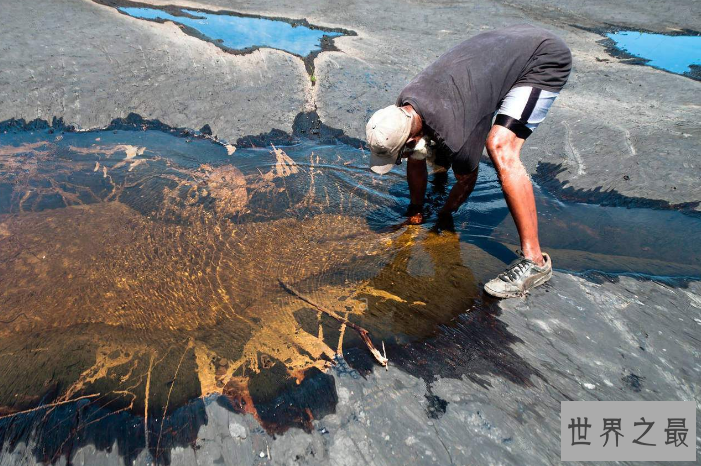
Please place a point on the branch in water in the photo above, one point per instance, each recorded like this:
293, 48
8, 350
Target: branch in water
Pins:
364, 334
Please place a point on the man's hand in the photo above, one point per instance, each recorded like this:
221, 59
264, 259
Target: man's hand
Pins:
416, 219
415, 215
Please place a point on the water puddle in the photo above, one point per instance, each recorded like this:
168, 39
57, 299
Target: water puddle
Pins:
679, 54
139, 272
240, 33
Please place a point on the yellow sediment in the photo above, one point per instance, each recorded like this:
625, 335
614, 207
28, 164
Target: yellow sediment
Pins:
206, 371
104, 288
24, 148
381, 294
284, 165
106, 358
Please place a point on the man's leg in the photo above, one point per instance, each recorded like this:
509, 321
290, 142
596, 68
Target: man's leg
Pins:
417, 177
520, 112
504, 148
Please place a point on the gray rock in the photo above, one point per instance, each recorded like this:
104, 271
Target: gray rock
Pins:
237, 431
587, 338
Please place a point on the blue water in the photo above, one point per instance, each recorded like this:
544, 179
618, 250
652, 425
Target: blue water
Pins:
670, 53
240, 33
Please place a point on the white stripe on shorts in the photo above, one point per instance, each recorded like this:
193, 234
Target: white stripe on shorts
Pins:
516, 103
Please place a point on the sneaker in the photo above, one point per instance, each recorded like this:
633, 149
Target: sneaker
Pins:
521, 277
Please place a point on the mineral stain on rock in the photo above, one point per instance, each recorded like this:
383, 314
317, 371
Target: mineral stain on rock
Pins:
436, 406
633, 382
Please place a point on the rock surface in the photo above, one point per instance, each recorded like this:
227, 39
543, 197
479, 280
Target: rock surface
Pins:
616, 127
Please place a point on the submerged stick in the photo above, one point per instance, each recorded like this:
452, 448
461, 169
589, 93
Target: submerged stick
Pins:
49, 405
364, 334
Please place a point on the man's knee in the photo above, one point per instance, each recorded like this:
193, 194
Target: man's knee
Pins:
497, 142
503, 147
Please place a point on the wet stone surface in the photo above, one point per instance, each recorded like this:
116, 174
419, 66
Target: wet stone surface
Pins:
140, 286
183, 349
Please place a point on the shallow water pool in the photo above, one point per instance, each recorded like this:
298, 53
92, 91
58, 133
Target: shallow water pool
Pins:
676, 54
241, 33
140, 271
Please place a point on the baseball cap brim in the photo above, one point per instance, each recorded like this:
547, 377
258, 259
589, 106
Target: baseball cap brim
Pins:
382, 164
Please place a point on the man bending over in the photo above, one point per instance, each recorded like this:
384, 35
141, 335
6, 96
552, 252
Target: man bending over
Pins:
492, 89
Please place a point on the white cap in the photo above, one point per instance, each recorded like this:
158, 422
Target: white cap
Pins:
386, 133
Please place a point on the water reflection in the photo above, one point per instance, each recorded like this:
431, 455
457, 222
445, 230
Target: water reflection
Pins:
426, 282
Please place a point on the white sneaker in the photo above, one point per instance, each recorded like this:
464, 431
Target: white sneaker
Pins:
521, 277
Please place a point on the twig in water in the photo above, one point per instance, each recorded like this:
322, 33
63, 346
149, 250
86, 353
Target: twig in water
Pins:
50, 405
14, 318
364, 334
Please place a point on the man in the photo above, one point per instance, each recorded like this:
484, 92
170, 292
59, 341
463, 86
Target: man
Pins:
449, 109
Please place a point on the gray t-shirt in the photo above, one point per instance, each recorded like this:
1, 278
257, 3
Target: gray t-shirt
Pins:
457, 95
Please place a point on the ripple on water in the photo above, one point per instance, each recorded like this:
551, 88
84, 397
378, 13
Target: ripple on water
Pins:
140, 259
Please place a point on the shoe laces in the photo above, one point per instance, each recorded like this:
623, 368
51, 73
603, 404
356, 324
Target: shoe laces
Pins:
515, 271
